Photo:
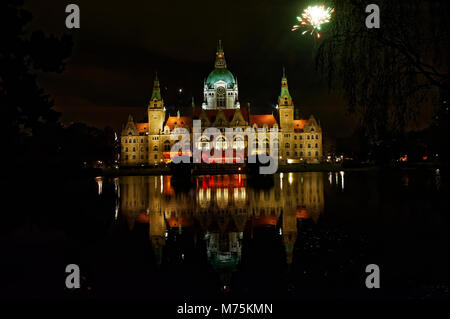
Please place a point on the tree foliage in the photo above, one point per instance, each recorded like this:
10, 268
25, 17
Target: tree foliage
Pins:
388, 74
25, 108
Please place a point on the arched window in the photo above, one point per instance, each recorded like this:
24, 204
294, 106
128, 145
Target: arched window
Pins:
275, 143
266, 144
166, 146
317, 145
255, 144
155, 148
203, 144
221, 143
221, 96
238, 143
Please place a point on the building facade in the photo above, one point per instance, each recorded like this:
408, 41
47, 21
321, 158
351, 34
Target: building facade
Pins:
150, 143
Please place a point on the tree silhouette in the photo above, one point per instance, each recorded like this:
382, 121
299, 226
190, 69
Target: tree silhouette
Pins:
26, 114
388, 74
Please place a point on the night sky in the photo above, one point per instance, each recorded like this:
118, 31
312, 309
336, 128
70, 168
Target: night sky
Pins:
121, 44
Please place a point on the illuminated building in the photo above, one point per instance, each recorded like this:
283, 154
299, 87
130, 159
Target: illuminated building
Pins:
149, 143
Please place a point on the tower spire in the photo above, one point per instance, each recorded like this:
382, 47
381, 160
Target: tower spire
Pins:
156, 94
284, 87
220, 57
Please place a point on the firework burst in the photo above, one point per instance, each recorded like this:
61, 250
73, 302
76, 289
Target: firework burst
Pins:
312, 19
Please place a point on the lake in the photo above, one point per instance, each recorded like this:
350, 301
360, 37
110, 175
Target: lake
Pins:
306, 235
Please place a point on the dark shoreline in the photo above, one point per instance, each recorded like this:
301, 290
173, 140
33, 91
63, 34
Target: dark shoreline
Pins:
321, 167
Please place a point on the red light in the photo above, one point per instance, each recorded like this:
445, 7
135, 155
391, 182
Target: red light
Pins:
318, 35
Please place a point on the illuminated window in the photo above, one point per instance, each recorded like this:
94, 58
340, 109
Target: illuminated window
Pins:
238, 143
221, 143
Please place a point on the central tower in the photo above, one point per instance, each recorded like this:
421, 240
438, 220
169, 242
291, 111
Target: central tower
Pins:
220, 88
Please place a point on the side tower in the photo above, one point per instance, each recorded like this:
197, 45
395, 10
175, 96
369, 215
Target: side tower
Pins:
156, 116
285, 107
286, 114
156, 113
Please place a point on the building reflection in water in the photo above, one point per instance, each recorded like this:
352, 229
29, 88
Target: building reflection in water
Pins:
221, 208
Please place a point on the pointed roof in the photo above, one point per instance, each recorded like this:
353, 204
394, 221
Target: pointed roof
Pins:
156, 94
284, 86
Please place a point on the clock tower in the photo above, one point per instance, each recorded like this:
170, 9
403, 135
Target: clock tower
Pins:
156, 112
285, 107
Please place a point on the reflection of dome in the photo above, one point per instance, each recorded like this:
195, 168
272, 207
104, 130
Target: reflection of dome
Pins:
220, 75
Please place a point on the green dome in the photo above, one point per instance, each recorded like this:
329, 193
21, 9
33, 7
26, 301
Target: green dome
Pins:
220, 75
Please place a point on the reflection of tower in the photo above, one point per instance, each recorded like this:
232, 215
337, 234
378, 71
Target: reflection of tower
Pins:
157, 233
289, 232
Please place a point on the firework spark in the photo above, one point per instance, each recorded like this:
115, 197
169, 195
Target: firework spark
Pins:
312, 19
